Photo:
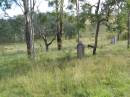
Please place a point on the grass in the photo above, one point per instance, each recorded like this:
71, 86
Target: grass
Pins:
61, 74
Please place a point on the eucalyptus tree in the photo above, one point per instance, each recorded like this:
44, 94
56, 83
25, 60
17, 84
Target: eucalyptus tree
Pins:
103, 11
120, 15
121, 23
124, 8
59, 6
101, 14
28, 6
128, 9
121, 18
98, 26
5, 4
76, 3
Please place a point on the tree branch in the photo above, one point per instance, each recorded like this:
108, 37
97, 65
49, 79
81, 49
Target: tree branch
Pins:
51, 41
20, 5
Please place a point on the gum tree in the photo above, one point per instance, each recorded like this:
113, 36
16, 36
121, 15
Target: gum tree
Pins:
28, 6
58, 5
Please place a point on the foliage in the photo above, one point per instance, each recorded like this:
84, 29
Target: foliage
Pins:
5, 4
11, 30
69, 30
48, 22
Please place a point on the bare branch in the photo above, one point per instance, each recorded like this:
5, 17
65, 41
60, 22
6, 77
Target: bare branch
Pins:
20, 5
6, 14
34, 3
51, 41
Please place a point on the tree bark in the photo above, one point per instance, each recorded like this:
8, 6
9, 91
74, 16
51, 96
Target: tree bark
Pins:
118, 36
96, 38
59, 23
98, 27
128, 44
77, 12
47, 48
28, 29
59, 41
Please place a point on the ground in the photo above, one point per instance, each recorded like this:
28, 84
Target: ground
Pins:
61, 74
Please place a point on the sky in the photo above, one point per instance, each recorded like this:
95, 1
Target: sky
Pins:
43, 7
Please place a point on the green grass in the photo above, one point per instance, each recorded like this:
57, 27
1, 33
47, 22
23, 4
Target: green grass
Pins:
61, 74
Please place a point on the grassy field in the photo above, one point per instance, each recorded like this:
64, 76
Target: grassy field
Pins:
61, 74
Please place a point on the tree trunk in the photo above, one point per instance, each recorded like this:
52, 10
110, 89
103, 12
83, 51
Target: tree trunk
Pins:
77, 8
118, 35
47, 47
46, 44
96, 38
128, 45
59, 23
28, 29
59, 41
59, 34
98, 27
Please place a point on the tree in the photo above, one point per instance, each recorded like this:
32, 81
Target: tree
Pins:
98, 26
5, 4
83, 11
103, 10
11, 29
29, 28
28, 6
69, 29
59, 5
45, 26
8, 27
128, 29
128, 9
60, 28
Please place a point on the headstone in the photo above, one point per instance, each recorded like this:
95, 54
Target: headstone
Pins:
113, 40
80, 50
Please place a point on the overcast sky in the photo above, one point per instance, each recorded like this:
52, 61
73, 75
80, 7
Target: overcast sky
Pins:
43, 7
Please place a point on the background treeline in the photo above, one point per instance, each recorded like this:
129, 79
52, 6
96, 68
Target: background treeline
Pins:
12, 29
82, 18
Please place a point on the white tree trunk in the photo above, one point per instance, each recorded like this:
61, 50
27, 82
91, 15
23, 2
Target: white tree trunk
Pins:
29, 29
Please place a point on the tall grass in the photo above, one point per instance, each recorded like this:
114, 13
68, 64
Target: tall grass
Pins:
61, 74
